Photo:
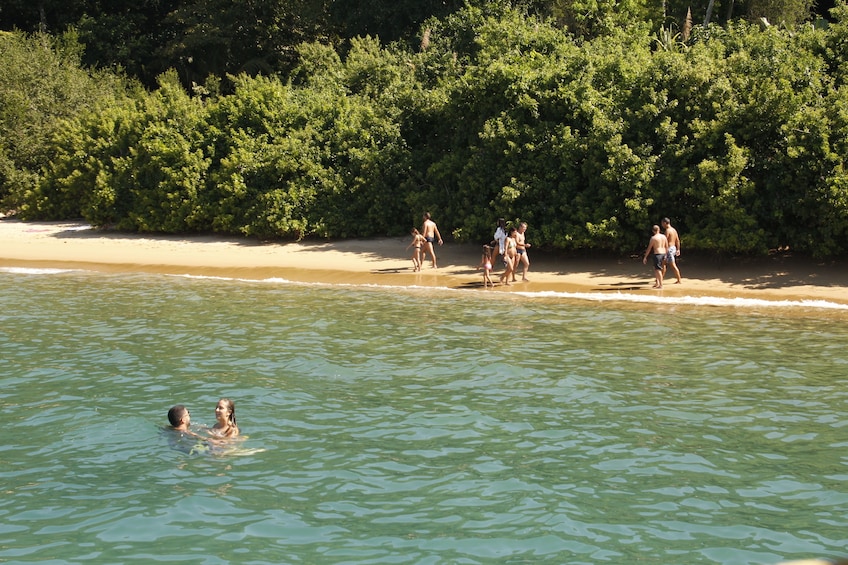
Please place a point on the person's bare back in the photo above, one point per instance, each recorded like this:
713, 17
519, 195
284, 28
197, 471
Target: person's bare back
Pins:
658, 247
658, 244
672, 237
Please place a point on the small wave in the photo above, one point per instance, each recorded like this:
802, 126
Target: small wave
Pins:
276, 280
34, 271
722, 302
736, 302
688, 300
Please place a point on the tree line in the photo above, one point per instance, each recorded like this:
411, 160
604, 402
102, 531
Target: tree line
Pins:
736, 130
202, 38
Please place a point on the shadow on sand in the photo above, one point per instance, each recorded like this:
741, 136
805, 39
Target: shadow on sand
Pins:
776, 271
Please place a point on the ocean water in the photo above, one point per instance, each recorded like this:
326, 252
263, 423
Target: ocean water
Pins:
421, 426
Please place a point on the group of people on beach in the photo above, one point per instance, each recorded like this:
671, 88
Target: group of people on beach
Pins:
664, 246
424, 242
225, 421
509, 243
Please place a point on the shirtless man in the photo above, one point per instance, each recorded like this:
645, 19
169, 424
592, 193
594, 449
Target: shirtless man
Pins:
522, 257
431, 235
180, 419
659, 247
673, 248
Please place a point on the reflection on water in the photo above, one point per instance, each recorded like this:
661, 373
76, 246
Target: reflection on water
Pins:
414, 426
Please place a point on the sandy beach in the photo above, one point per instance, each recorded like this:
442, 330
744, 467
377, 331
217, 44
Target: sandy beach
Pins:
386, 262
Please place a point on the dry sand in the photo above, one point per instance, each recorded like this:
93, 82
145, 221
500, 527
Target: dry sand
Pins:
386, 262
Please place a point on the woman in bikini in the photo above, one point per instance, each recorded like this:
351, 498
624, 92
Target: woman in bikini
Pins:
510, 246
486, 265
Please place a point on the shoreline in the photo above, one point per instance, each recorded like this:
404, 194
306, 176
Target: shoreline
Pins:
385, 262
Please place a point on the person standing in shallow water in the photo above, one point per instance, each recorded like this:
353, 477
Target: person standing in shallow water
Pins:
225, 415
658, 246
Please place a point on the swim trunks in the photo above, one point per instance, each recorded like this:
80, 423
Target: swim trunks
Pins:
430, 239
521, 251
672, 251
658, 259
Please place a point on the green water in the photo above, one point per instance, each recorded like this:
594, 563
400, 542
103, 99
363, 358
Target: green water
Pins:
414, 426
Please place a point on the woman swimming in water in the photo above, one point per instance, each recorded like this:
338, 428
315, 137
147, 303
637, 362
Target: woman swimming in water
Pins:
225, 414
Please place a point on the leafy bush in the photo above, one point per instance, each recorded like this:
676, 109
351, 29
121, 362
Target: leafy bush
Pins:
739, 135
41, 86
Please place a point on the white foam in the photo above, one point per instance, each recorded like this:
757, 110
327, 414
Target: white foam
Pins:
275, 280
604, 296
33, 271
587, 296
688, 300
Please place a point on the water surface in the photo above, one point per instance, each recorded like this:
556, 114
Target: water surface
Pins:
415, 425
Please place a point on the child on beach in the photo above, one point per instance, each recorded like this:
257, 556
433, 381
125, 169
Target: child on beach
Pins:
417, 242
486, 265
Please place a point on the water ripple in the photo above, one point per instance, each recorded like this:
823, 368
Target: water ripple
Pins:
413, 428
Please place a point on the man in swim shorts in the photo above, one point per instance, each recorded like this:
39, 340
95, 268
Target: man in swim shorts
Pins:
431, 235
673, 248
658, 246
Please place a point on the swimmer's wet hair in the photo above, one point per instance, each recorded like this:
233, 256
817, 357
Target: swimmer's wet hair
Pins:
232, 407
175, 414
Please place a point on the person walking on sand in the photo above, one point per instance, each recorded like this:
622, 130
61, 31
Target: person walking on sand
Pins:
673, 248
499, 239
521, 248
658, 246
417, 242
486, 265
431, 235
510, 256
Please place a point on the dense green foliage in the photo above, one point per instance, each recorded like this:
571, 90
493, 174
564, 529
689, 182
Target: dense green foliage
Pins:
739, 134
41, 84
199, 38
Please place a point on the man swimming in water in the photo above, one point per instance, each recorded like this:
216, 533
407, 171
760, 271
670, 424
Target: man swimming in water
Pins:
179, 418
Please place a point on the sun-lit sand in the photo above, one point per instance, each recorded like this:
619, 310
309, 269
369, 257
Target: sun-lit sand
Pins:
386, 262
